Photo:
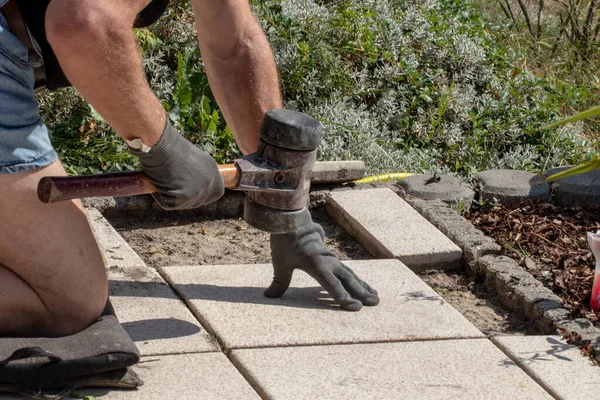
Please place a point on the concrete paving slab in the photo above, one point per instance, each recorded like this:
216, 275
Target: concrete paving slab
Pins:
151, 313
557, 366
390, 228
336, 171
182, 377
113, 246
449, 369
154, 317
230, 303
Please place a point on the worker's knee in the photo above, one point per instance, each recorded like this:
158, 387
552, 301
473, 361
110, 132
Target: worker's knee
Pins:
76, 305
73, 25
67, 318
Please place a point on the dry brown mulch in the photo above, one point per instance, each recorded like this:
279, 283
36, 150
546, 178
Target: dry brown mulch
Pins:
551, 243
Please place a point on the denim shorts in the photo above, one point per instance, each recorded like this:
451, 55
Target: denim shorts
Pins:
24, 141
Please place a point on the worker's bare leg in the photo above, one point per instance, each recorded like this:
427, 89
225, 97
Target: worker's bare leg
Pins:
52, 275
96, 48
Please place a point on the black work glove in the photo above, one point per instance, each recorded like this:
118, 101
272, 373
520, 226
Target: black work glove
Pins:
304, 249
185, 176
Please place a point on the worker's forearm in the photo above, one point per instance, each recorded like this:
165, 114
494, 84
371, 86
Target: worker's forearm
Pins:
245, 84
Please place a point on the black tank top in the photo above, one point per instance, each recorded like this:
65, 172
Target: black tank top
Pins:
34, 13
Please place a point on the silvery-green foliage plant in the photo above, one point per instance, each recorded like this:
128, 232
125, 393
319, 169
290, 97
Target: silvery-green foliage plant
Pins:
415, 85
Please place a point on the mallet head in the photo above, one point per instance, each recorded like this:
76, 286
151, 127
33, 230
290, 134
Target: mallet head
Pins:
289, 142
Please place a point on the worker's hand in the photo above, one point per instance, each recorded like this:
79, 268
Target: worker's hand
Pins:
185, 176
304, 249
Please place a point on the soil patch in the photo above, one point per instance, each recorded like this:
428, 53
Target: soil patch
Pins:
171, 239
551, 243
482, 309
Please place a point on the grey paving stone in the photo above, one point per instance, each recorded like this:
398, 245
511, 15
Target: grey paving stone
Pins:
512, 186
337, 171
152, 314
183, 377
448, 189
578, 190
557, 366
229, 300
449, 369
390, 228
115, 249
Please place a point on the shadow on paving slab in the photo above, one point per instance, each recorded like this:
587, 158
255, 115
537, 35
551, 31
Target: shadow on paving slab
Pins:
419, 296
551, 354
161, 328
311, 297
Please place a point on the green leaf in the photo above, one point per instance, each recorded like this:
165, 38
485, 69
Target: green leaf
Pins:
580, 169
146, 38
95, 116
205, 104
592, 112
182, 92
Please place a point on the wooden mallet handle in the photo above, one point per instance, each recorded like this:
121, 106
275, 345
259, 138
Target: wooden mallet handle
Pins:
52, 189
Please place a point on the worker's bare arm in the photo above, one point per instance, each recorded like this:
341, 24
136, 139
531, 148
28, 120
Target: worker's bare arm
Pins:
239, 64
94, 42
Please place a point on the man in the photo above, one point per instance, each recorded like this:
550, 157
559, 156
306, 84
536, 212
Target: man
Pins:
52, 276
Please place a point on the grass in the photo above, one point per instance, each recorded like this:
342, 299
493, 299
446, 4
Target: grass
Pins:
551, 53
551, 46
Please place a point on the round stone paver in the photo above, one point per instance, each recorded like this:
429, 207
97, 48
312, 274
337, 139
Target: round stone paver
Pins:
578, 190
512, 186
448, 189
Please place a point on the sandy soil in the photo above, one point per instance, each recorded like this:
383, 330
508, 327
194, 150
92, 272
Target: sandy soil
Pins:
483, 310
162, 240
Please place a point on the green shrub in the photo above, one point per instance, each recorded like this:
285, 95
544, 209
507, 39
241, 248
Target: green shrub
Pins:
404, 85
417, 86
84, 142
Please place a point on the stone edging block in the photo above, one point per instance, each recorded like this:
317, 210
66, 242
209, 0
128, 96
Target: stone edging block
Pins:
520, 291
511, 186
471, 240
517, 289
336, 171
